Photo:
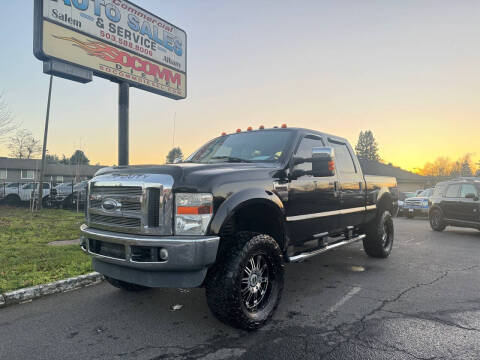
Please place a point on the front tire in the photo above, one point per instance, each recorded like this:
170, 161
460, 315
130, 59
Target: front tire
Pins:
380, 234
125, 285
437, 222
244, 288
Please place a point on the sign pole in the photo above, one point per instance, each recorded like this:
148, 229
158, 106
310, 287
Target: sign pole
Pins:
123, 105
44, 150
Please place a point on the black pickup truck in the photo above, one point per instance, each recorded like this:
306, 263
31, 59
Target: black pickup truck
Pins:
232, 214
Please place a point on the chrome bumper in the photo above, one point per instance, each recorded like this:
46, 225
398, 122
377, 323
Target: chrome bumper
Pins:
185, 253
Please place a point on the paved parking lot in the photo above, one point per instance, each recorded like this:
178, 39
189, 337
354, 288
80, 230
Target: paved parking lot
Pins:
421, 303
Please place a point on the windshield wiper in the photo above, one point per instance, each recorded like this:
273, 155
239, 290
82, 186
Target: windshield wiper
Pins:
231, 159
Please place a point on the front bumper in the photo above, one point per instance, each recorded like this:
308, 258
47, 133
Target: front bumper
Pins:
415, 209
186, 266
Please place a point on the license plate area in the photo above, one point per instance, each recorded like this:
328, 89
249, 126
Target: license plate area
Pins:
111, 250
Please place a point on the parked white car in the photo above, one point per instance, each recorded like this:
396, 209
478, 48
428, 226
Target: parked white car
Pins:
25, 192
9, 188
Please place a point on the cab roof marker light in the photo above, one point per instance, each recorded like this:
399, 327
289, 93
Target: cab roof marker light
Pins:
224, 133
261, 127
239, 130
249, 128
284, 126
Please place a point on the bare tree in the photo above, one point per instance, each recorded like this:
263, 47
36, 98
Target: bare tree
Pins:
23, 145
7, 121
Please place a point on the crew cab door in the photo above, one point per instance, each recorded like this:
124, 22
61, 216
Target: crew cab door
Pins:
468, 208
312, 201
351, 187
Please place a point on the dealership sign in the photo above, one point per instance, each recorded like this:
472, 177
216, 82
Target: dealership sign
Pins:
115, 39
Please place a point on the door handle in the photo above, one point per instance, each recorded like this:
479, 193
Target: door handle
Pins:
335, 188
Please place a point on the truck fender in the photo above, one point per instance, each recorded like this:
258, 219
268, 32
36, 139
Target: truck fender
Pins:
385, 200
241, 199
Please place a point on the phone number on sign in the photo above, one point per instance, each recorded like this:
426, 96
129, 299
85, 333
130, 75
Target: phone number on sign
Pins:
126, 43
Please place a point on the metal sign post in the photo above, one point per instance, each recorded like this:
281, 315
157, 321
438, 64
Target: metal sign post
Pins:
123, 105
44, 150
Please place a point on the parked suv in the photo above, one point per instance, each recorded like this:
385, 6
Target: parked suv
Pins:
456, 203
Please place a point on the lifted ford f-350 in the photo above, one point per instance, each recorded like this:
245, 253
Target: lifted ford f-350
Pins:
232, 214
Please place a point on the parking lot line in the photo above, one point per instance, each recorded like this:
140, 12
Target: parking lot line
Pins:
344, 299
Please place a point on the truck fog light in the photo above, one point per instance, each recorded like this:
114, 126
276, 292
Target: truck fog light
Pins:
163, 254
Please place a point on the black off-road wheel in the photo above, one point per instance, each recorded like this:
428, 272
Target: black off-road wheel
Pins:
380, 234
244, 288
125, 285
437, 222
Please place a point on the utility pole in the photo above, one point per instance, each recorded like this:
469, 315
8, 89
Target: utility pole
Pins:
44, 150
123, 105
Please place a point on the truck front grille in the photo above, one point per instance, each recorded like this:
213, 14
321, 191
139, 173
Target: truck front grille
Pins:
414, 202
116, 221
138, 204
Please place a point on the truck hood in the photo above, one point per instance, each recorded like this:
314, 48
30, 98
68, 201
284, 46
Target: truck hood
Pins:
200, 177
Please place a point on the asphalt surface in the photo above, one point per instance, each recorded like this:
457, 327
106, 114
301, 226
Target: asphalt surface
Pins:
421, 303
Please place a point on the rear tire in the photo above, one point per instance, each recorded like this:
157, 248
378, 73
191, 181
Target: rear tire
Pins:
244, 288
125, 285
380, 234
437, 223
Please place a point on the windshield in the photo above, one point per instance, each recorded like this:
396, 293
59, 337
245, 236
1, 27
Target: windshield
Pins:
425, 193
258, 146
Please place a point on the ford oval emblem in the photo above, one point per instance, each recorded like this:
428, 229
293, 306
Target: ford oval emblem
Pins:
111, 205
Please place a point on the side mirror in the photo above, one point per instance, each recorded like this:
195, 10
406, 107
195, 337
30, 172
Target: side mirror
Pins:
323, 161
471, 196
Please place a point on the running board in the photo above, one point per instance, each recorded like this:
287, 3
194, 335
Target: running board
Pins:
306, 255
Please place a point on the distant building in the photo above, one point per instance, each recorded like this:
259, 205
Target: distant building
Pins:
407, 181
27, 170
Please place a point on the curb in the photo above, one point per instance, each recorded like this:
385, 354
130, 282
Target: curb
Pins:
34, 292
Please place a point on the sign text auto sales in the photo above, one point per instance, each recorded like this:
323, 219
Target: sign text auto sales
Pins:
127, 42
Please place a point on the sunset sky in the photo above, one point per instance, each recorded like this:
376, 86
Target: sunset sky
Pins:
407, 70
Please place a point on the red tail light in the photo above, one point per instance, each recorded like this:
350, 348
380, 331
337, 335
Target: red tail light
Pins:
331, 165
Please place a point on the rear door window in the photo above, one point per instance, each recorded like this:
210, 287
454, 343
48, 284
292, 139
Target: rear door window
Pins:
452, 191
343, 158
468, 189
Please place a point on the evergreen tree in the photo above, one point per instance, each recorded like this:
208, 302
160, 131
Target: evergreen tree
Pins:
466, 170
367, 147
79, 158
175, 153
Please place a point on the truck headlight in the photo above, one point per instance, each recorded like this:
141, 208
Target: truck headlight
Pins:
193, 213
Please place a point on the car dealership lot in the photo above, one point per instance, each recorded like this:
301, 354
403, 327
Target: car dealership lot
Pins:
422, 302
